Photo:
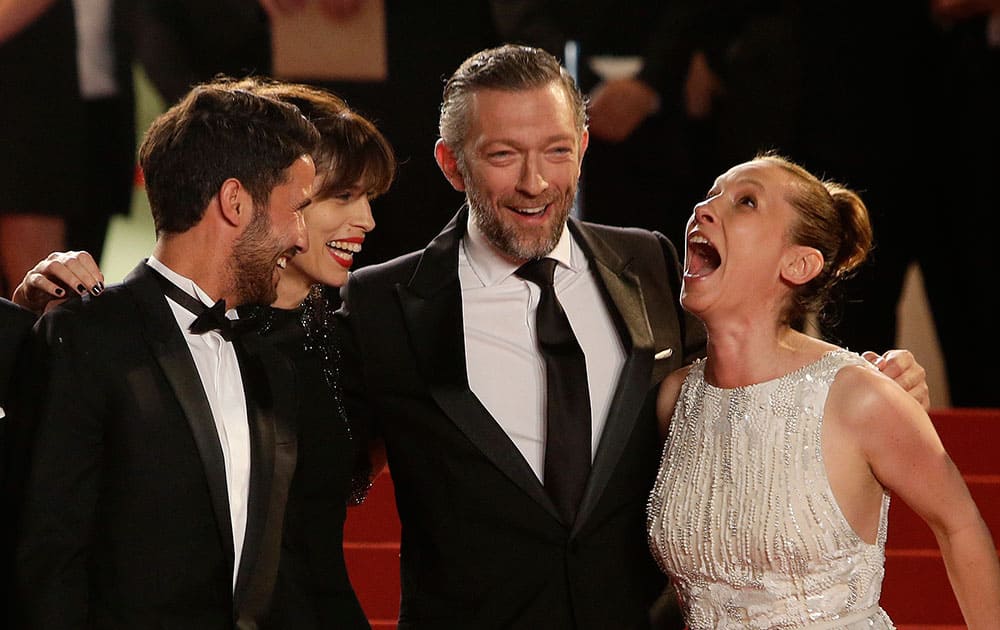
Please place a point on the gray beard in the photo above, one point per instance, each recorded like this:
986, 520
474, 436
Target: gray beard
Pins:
506, 238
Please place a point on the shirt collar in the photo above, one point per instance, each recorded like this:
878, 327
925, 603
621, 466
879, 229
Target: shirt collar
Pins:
492, 268
186, 284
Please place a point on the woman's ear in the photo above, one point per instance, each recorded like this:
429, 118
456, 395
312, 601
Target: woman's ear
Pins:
801, 264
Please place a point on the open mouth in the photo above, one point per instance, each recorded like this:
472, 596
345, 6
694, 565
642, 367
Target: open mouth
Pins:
529, 212
702, 257
282, 261
343, 252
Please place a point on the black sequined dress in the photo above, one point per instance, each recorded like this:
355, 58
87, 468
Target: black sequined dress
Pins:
332, 472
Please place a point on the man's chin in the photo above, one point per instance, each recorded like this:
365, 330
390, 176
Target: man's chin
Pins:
263, 295
537, 244
517, 240
530, 251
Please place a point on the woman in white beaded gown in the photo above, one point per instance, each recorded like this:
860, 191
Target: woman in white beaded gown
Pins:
770, 506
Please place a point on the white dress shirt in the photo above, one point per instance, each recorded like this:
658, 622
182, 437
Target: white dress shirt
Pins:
506, 371
220, 375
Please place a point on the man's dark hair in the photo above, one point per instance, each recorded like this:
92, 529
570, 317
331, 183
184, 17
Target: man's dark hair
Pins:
219, 131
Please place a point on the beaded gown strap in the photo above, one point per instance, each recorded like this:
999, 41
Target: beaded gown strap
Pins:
321, 339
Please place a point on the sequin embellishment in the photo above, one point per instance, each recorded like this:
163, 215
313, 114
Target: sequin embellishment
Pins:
742, 516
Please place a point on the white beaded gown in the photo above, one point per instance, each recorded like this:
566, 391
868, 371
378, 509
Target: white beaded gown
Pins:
742, 516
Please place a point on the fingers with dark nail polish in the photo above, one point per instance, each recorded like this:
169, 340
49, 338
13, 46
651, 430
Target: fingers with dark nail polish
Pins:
59, 291
81, 289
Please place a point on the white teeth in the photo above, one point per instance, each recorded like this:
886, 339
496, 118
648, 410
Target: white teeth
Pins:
697, 238
530, 210
282, 262
347, 246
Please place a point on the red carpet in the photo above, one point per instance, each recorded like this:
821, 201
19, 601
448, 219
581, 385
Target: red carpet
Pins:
916, 592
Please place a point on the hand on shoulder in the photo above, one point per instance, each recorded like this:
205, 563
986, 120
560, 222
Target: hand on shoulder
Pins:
902, 367
60, 275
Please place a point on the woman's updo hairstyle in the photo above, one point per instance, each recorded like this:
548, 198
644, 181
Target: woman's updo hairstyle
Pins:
832, 219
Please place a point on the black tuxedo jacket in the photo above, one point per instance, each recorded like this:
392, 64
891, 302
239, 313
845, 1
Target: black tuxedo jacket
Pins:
482, 544
15, 323
126, 521
15, 327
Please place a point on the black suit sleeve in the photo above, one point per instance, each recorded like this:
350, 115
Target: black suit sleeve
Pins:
66, 435
15, 327
356, 401
15, 323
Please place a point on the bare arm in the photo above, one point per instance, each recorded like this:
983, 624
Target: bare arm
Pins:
666, 399
617, 107
16, 15
906, 456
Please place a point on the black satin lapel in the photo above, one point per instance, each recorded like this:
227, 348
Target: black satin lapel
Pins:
621, 287
436, 332
623, 292
171, 351
260, 416
267, 382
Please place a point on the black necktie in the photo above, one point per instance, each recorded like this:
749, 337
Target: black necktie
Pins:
206, 318
567, 402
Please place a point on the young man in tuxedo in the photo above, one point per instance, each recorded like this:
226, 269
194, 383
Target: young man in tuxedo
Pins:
504, 523
161, 441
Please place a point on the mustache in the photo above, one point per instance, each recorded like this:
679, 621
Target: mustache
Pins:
519, 201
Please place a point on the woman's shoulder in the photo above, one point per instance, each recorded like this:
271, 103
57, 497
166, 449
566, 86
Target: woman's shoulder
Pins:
862, 397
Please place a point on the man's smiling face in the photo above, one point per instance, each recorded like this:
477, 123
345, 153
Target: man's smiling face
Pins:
521, 166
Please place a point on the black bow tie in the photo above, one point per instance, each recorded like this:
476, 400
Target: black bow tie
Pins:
206, 318
214, 318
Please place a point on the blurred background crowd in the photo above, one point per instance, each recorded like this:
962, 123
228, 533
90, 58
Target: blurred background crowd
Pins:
900, 101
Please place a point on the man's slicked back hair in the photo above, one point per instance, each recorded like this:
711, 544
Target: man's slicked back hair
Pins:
508, 68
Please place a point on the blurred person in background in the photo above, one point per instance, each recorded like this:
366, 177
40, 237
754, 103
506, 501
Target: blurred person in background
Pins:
68, 133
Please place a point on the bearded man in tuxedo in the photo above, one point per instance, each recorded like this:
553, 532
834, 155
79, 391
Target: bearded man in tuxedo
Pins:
161, 439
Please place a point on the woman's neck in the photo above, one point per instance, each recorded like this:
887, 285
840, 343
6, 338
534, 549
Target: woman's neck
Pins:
293, 288
743, 354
